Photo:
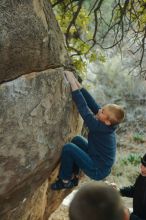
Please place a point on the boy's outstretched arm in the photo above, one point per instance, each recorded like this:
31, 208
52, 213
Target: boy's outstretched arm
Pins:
93, 106
92, 123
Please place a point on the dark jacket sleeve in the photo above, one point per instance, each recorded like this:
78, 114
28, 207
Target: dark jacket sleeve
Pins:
92, 123
94, 107
135, 217
127, 191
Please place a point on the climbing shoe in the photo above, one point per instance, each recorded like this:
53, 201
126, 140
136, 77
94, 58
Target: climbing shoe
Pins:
59, 184
75, 181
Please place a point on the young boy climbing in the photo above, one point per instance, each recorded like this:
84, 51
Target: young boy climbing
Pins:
96, 155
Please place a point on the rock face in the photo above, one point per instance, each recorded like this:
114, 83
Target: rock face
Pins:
37, 115
30, 38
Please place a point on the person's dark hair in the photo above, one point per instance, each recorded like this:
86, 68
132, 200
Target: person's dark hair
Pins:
96, 202
143, 160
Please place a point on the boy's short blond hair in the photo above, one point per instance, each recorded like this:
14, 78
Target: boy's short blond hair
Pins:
116, 113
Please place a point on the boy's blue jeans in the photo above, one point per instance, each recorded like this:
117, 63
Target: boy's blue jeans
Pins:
75, 157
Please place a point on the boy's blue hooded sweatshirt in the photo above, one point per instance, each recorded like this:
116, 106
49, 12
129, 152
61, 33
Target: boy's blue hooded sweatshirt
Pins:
101, 137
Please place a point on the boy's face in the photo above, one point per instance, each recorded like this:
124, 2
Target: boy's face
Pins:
143, 170
104, 115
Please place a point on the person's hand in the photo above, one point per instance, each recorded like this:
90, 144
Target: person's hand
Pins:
114, 185
78, 84
72, 80
70, 77
126, 214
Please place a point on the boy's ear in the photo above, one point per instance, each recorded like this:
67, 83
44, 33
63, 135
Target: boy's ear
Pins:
107, 122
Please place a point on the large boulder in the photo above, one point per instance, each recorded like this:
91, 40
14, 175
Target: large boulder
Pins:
37, 117
30, 38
